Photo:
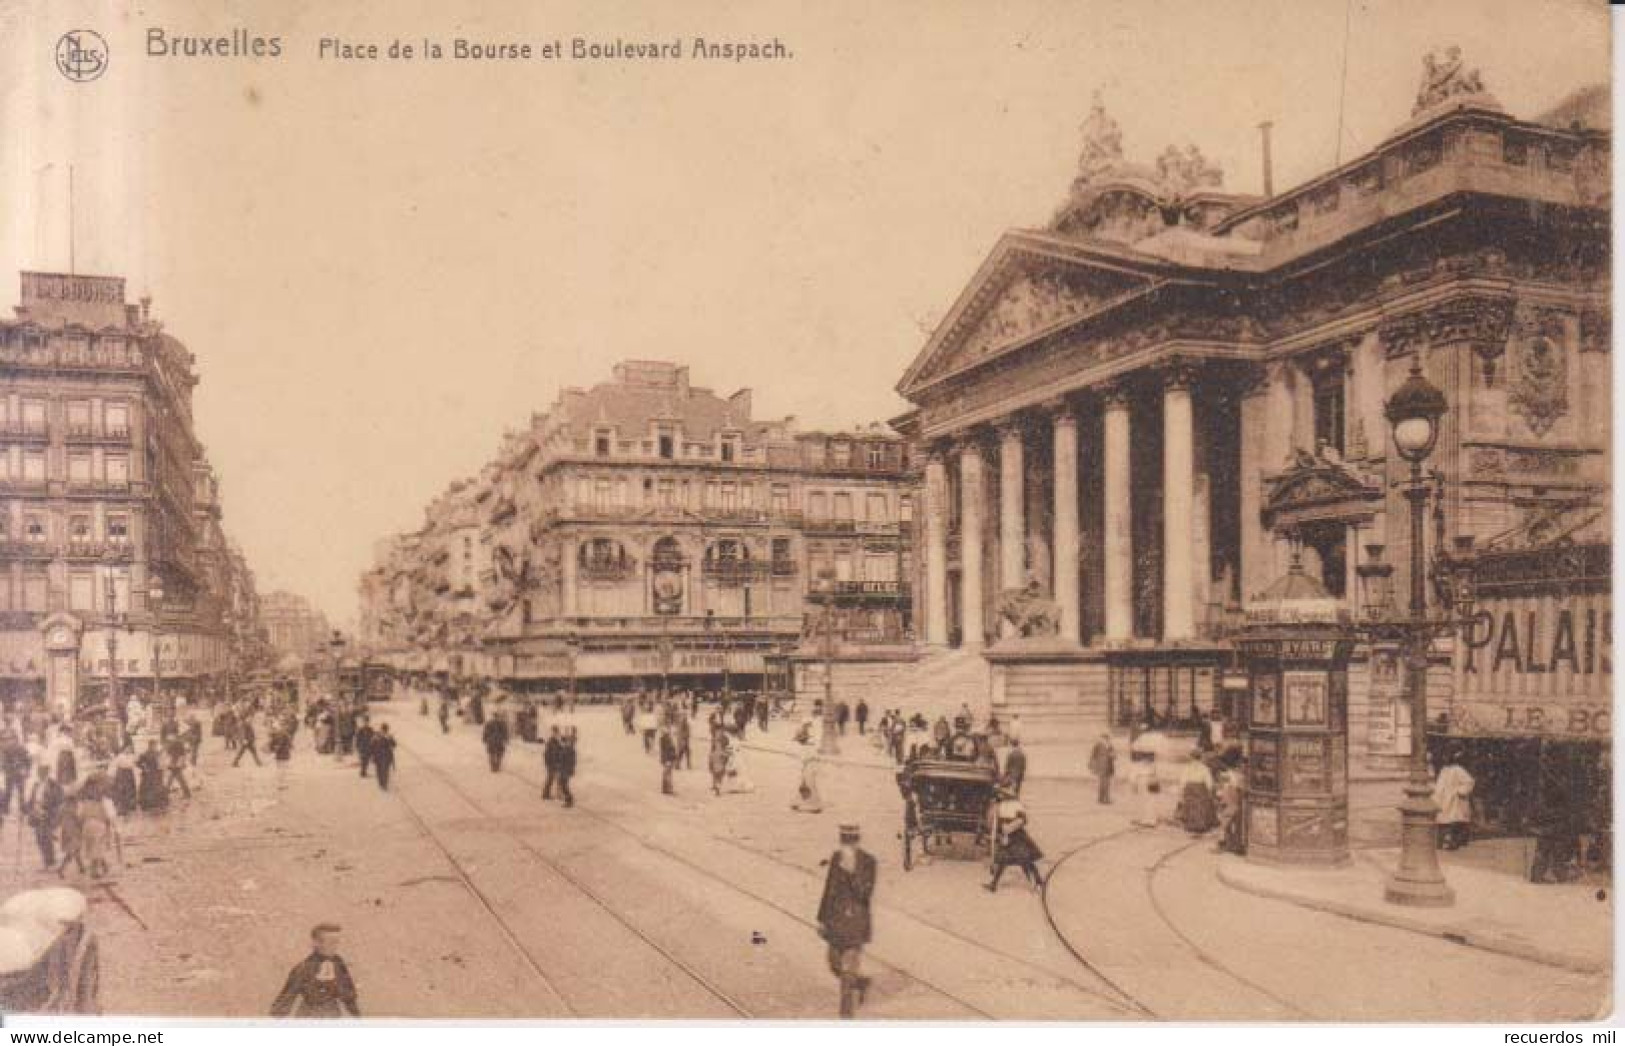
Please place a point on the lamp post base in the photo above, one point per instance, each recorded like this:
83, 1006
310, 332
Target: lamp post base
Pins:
1418, 882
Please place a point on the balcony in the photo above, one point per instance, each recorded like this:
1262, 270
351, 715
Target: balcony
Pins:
92, 434
882, 591
23, 484
606, 572
94, 485
783, 625
732, 572
87, 548
18, 429
22, 548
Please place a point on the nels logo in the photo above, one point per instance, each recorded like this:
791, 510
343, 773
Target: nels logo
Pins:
81, 55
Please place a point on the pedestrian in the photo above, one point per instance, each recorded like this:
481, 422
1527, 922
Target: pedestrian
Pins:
647, 725
364, 733
194, 738
1230, 803
1452, 793
14, 763
98, 827
124, 789
843, 713
1103, 764
899, 733
320, 985
383, 755
42, 807
717, 761
629, 713
764, 710
668, 760
495, 735
810, 802
346, 728
739, 780
178, 752
1012, 844
552, 751
247, 743
861, 714
844, 920
1015, 765
444, 714
567, 768
1557, 839
685, 741
67, 761
1143, 753
154, 796
1196, 811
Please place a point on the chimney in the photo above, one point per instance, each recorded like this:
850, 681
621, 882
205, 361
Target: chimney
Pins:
1269, 174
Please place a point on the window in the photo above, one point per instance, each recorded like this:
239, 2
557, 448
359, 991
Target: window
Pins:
118, 469
843, 505
36, 591
781, 499
710, 494
840, 455
877, 455
667, 447
668, 493
601, 446
5, 463
600, 499
78, 467
34, 528
79, 529
34, 466
730, 497
1329, 405
781, 551
729, 449
34, 416
81, 592
875, 509
118, 419
118, 528
79, 417
818, 505
905, 508
747, 496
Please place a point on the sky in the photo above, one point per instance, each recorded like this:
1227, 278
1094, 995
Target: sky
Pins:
382, 266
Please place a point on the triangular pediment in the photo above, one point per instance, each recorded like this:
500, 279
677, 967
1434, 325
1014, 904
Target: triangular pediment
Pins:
1315, 486
1023, 291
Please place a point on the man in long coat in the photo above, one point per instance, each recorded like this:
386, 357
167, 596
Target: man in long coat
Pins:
843, 916
383, 755
496, 740
320, 985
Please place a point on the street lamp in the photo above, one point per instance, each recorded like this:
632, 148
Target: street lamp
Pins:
1413, 414
828, 743
113, 623
155, 600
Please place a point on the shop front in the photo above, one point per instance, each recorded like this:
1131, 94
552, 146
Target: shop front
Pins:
1531, 713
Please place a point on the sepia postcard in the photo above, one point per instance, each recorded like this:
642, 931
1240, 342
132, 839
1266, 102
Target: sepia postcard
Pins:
928, 510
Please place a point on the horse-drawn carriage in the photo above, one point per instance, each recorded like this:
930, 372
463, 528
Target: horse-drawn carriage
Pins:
945, 801
50, 961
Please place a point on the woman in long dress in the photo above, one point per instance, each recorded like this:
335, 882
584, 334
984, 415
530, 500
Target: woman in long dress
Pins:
1013, 846
124, 790
98, 827
717, 762
1143, 753
738, 779
153, 795
1197, 810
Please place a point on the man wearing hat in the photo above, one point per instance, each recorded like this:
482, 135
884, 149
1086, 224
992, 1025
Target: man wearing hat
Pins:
843, 916
320, 984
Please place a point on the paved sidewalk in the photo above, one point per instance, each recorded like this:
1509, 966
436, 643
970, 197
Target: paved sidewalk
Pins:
1147, 909
1569, 926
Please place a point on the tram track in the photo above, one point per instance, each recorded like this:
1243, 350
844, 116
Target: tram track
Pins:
565, 875
891, 909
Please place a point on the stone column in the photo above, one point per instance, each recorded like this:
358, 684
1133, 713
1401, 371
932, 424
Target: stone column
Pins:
972, 498
1012, 522
936, 550
1067, 543
1178, 505
1119, 548
1257, 558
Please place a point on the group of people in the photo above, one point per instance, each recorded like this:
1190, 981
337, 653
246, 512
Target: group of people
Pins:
498, 730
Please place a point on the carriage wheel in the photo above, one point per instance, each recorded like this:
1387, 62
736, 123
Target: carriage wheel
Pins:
908, 852
87, 990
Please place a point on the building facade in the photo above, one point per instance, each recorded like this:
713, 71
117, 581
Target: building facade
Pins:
1140, 413
648, 529
115, 565
294, 630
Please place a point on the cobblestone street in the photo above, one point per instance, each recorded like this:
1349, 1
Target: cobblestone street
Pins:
462, 894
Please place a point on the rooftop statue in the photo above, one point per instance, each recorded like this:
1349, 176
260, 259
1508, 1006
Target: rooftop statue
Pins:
1183, 170
1443, 78
1102, 144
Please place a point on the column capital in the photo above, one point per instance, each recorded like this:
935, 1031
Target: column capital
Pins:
1255, 379
1060, 409
1114, 395
1402, 335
